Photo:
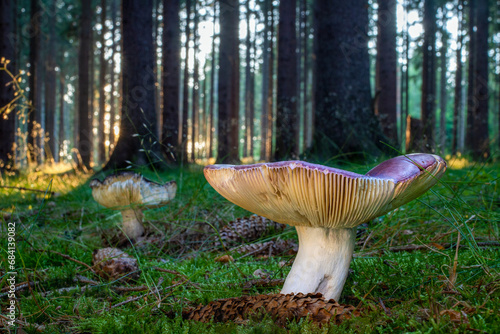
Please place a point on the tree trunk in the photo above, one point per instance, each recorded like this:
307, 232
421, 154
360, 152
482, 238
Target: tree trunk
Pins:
211, 124
345, 123
286, 117
112, 100
204, 116
93, 101
270, 85
251, 116
228, 88
50, 88
171, 80
62, 118
138, 128
386, 70
102, 96
196, 89
185, 89
457, 105
428, 104
471, 76
84, 115
35, 84
265, 83
7, 115
442, 93
158, 93
248, 45
480, 138
306, 124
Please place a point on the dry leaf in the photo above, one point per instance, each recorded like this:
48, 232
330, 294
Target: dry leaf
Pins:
455, 316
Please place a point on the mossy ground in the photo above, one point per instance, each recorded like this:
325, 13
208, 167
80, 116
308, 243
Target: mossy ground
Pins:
441, 288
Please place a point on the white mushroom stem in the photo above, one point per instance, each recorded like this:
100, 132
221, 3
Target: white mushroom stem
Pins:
322, 263
132, 223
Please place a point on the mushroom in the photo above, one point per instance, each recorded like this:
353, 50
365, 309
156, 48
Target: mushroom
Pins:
131, 193
325, 205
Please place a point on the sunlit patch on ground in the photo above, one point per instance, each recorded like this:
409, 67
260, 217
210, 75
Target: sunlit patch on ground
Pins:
458, 162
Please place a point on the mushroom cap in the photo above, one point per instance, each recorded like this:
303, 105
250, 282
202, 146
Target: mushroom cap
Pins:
128, 188
304, 194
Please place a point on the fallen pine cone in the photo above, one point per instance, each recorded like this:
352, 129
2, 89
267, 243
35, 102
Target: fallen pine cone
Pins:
112, 264
247, 229
269, 248
282, 309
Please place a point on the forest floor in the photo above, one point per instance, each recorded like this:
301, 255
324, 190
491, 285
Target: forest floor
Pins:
411, 271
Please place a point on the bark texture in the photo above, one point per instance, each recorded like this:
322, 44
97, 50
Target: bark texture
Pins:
84, 143
228, 88
287, 145
345, 123
7, 116
138, 128
35, 84
386, 70
171, 80
428, 104
480, 140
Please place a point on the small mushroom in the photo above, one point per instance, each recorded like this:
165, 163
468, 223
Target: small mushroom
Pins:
131, 193
325, 205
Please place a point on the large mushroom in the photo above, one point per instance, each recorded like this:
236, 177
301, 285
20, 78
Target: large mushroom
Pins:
131, 193
325, 205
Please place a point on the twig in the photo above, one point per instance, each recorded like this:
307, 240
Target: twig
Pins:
387, 312
147, 294
39, 328
67, 257
130, 288
453, 269
29, 189
84, 279
409, 248
255, 251
18, 287
263, 283
176, 273
67, 289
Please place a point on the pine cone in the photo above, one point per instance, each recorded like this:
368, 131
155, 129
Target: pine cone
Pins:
269, 248
281, 307
248, 229
112, 263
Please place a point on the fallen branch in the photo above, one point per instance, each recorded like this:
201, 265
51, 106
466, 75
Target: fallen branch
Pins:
29, 189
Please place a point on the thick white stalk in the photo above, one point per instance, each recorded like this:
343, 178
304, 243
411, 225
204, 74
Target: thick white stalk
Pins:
322, 263
132, 223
